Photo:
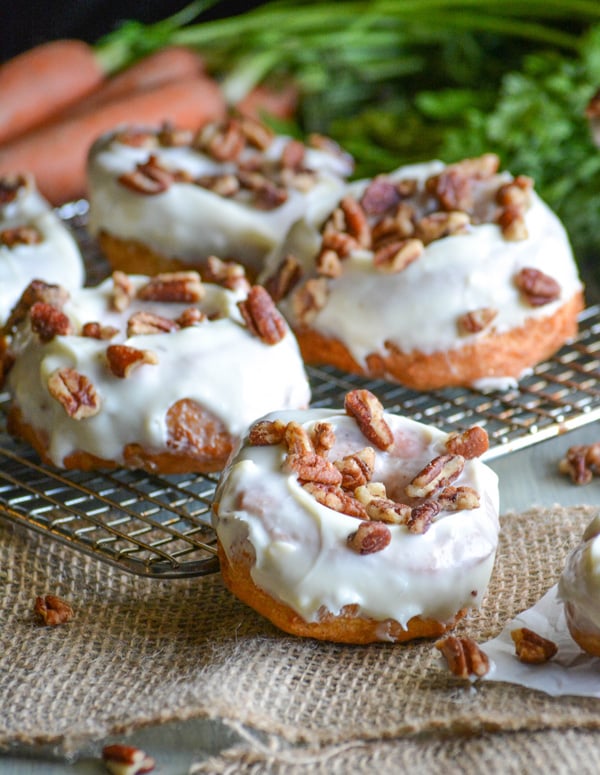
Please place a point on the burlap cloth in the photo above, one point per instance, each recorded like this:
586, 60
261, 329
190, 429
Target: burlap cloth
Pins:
142, 651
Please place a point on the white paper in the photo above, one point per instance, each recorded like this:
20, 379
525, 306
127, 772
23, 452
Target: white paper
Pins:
571, 671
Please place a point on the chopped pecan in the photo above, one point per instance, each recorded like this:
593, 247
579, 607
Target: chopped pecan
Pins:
366, 492
48, 321
581, 462
368, 412
136, 137
396, 256
266, 433
184, 287
267, 194
75, 392
453, 189
262, 316
226, 184
122, 291
149, 178
399, 225
379, 196
476, 320
464, 657
123, 359
421, 517
338, 242
370, 537
256, 133
470, 443
336, 499
310, 467
285, 278
191, 316
537, 288
223, 141
94, 330
357, 468
309, 299
380, 508
37, 290
322, 437
122, 759
407, 187
228, 274
437, 474
298, 440
170, 136
441, 224
517, 193
292, 156
532, 648
149, 323
10, 185
512, 223
328, 263
356, 221
458, 498
20, 235
53, 610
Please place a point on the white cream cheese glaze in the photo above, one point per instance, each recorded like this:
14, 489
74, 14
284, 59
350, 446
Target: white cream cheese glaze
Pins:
302, 557
190, 222
417, 309
579, 584
55, 258
218, 364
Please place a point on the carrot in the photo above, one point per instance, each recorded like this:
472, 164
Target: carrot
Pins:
280, 102
40, 82
57, 153
168, 64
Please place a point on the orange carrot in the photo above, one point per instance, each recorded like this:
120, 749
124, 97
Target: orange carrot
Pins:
56, 154
280, 102
167, 64
42, 81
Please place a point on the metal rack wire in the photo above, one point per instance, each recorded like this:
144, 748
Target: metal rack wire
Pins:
160, 525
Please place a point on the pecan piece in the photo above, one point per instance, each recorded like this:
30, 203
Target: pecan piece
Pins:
421, 517
356, 221
537, 288
37, 290
226, 185
370, 537
298, 440
309, 299
512, 222
20, 235
398, 226
122, 291
184, 287
310, 467
437, 474
379, 507
517, 193
266, 433
357, 468
94, 330
228, 274
123, 359
170, 136
53, 610
464, 657
267, 194
148, 178
292, 156
256, 133
149, 323
48, 321
470, 443
75, 392
136, 137
223, 141
322, 437
122, 759
532, 648
394, 257
286, 276
476, 320
379, 196
10, 186
581, 462
458, 498
328, 263
368, 412
336, 499
191, 316
441, 224
262, 316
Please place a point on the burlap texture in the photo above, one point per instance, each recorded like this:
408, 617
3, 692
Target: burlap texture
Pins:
140, 651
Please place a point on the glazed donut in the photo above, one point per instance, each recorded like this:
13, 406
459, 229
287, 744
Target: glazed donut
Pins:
162, 374
359, 525
579, 589
165, 198
432, 276
34, 243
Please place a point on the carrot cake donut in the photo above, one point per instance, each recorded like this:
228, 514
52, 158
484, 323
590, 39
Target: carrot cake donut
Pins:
166, 198
163, 373
357, 525
435, 275
34, 243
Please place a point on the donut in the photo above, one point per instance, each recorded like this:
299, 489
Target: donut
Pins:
34, 243
432, 276
163, 198
579, 590
357, 525
162, 374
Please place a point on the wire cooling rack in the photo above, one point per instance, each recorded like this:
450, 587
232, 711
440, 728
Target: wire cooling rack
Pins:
160, 525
